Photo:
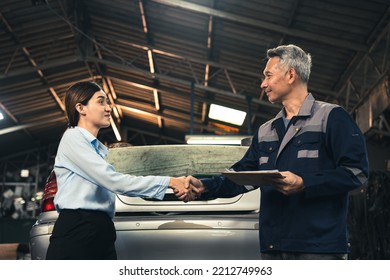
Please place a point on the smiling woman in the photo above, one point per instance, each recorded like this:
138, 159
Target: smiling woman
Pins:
78, 96
95, 114
87, 184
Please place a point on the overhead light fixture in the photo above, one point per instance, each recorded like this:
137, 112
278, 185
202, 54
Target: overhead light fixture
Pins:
24, 173
225, 114
115, 129
1, 116
215, 139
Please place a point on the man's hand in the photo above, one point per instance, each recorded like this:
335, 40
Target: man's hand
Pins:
195, 185
182, 190
289, 184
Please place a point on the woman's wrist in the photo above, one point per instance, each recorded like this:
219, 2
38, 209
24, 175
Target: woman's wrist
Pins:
171, 182
175, 182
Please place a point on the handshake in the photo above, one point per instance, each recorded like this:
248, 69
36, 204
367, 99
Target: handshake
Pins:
189, 188
186, 188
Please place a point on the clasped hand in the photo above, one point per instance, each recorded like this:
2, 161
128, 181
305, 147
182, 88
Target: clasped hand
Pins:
189, 188
186, 188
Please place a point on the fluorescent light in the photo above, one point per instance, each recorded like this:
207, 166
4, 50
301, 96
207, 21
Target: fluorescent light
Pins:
24, 173
151, 64
215, 139
226, 114
115, 129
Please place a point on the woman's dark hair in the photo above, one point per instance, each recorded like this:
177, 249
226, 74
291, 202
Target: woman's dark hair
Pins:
81, 93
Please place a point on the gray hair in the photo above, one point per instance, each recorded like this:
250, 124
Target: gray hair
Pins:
293, 57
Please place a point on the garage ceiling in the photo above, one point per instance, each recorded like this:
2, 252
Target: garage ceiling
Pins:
163, 62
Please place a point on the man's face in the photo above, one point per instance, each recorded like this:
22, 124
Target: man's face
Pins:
276, 80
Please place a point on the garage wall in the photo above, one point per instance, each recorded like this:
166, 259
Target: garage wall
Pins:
377, 157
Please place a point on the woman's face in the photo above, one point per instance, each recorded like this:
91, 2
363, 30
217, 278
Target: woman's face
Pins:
97, 112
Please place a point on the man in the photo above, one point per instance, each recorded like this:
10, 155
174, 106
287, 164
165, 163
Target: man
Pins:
321, 154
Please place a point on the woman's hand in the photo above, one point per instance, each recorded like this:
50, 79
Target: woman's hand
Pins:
182, 189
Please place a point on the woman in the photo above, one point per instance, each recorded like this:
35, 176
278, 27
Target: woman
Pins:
87, 184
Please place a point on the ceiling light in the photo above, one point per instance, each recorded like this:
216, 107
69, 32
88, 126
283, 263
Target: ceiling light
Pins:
115, 129
226, 114
1, 116
24, 173
215, 139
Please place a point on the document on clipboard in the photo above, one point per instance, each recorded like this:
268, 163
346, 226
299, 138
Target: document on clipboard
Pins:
253, 178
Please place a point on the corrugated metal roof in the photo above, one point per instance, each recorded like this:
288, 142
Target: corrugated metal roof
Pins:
215, 46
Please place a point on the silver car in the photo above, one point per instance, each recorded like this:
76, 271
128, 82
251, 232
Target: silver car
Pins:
223, 228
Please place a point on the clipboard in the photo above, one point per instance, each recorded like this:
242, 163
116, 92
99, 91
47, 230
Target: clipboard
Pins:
253, 178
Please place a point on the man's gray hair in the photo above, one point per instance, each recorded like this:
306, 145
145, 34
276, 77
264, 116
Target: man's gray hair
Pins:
293, 57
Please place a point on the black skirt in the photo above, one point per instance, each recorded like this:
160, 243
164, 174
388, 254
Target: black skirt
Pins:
82, 235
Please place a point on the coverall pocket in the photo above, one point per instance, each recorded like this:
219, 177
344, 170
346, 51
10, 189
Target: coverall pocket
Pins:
307, 151
267, 157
